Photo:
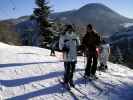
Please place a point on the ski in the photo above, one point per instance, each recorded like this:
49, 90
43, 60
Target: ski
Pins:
83, 95
74, 91
88, 78
68, 90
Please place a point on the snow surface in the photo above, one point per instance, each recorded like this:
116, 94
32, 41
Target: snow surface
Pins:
126, 25
29, 73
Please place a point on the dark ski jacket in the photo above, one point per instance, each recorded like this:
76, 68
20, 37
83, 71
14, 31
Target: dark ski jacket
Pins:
90, 41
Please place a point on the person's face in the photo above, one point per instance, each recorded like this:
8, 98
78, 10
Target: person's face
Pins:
88, 29
70, 30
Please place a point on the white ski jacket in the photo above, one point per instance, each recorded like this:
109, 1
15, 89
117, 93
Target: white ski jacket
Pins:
71, 41
104, 53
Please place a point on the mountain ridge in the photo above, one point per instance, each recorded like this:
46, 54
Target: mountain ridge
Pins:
95, 13
105, 20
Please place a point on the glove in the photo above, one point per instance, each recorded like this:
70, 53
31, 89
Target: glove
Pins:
65, 48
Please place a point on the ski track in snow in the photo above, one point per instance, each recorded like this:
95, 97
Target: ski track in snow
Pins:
29, 73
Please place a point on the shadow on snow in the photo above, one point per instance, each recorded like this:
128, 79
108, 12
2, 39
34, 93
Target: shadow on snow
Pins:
23, 64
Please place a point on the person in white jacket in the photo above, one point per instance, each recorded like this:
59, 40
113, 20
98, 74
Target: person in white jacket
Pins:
68, 44
104, 55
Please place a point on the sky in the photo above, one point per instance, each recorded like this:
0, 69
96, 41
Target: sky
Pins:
17, 8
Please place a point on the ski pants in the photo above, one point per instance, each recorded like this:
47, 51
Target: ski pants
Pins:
91, 66
69, 70
52, 51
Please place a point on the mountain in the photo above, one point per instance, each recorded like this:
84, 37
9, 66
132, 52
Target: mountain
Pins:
24, 29
29, 73
8, 33
105, 20
18, 20
28, 30
122, 45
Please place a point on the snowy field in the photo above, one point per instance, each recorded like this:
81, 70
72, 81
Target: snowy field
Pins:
29, 73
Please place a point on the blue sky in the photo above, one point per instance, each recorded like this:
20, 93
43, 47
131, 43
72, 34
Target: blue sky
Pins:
25, 7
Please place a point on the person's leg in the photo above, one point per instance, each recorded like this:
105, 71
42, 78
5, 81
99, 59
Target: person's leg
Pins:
51, 53
101, 66
65, 65
54, 52
94, 66
88, 66
67, 72
71, 73
106, 66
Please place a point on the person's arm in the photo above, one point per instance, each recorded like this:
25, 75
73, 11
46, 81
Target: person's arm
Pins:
61, 42
98, 39
83, 44
109, 49
78, 41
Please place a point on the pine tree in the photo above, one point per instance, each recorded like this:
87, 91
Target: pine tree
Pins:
41, 14
119, 55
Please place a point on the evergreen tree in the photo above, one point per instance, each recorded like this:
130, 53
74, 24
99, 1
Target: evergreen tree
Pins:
119, 55
41, 14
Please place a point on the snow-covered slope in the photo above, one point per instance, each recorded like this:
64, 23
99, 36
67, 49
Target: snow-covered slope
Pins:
29, 73
126, 25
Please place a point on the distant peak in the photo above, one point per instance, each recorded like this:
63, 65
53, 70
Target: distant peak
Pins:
95, 5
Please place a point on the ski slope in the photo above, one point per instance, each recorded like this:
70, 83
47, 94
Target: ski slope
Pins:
29, 73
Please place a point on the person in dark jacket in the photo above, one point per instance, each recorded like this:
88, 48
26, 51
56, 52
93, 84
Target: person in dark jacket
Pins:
90, 42
53, 46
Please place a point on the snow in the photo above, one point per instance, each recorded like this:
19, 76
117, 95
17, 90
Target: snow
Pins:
29, 73
126, 25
